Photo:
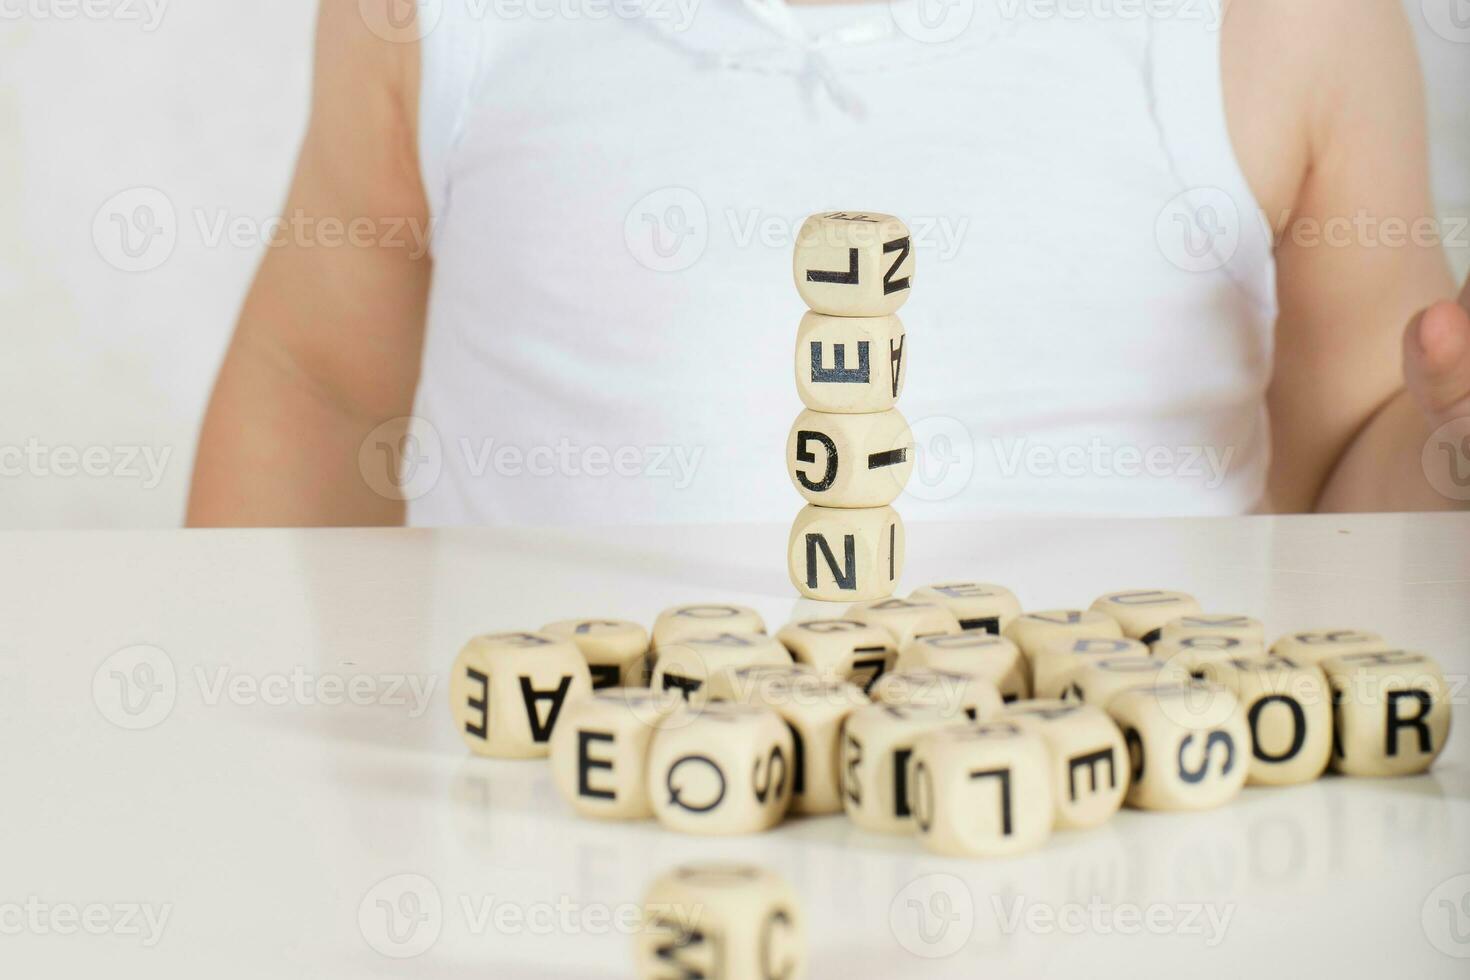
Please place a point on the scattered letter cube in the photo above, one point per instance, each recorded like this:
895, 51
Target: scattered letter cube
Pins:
722, 922
599, 751
614, 648
981, 790
1391, 712
1089, 761
724, 769
506, 691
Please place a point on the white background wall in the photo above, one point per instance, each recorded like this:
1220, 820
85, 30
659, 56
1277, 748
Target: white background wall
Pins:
208, 106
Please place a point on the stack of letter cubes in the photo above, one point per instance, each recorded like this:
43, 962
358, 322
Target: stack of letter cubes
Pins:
850, 453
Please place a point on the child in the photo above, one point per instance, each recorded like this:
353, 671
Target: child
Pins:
1171, 259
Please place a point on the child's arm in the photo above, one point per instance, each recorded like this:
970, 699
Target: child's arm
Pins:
330, 337
1353, 397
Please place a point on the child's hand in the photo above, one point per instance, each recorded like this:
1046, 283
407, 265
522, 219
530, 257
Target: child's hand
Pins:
1437, 360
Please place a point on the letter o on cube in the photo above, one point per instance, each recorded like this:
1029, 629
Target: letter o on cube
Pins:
725, 769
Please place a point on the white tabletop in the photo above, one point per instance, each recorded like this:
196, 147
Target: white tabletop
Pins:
254, 810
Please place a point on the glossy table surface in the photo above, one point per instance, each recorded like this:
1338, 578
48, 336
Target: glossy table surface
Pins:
228, 754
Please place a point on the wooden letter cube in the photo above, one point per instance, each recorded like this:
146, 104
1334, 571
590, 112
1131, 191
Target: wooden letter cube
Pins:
1188, 744
986, 655
724, 769
1030, 631
1215, 624
1089, 760
977, 605
599, 751
506, 691
953, 693
614, 648
906, 619
981, 790
841, 649
687, 666
850, 460
814, 709
851, 263
1289, 710
1143, 612
877, 741
721, 921
1097, 680
702, 619
1194, 651
1055, 659
845, 555
1391, 712
1315, 646
850, 364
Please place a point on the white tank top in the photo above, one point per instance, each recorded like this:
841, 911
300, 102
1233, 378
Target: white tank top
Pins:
612, 322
